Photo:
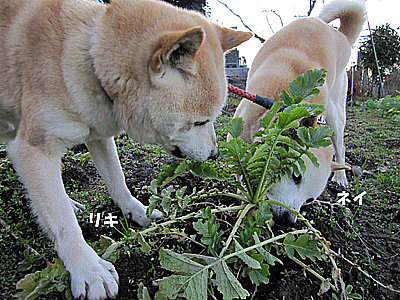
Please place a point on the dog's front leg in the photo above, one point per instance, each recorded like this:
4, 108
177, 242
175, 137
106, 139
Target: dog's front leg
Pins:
105, 156
40, 171
338, 143
336, 119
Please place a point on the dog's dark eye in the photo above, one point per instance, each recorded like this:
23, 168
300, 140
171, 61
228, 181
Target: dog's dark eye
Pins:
296, 179
201, 123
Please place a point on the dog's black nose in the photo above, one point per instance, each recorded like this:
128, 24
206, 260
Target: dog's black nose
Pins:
214, 154
177, 152
284, 219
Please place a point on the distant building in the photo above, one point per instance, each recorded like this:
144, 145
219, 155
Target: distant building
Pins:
235, 68
232, 59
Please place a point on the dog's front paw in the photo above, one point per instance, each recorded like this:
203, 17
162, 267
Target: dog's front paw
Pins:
137, 211
340, 178
94, 279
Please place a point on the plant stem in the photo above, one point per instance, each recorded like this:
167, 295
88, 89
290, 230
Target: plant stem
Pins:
266, 242
337, 271
262, 183
232, 195
183, 236
316, 274
245, 177
262, 196
236, 227
364, 272
288, 208
219, 260
189, 216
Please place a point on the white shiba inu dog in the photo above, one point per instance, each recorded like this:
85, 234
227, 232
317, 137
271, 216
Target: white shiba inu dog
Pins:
76, 71
307, 43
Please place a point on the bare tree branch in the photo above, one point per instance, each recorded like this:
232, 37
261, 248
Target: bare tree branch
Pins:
275, 13
241, 20
312, 5
269, 24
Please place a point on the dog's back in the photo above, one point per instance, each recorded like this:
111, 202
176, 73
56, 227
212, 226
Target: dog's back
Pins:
304, 44
307, 43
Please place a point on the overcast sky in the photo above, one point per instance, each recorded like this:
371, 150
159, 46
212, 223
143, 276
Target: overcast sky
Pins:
254, 13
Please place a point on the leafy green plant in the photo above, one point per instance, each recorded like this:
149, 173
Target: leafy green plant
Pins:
53, 278
388, 106
250, 246
208, 228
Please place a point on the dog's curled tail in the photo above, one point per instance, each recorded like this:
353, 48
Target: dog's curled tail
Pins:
352, 15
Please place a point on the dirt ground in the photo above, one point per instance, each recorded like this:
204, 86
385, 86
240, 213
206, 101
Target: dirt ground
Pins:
367, 234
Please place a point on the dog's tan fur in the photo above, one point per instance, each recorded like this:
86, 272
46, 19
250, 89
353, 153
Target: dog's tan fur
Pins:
75, 71
307, 43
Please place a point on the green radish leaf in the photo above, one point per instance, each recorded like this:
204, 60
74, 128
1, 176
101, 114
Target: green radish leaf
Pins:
227, 283
271, 259
266, 122
192, 279
305, 86
286, 98
235, 128
304, 246
248, 260
260, 276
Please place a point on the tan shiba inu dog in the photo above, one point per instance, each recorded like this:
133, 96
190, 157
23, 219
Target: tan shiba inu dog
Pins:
76, 71
307, 43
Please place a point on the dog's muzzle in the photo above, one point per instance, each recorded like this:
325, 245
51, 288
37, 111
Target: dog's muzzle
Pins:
282, 216
177, 152
285, 219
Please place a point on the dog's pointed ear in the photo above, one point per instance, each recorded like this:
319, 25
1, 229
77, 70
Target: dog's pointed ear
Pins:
337, 167
230, 38
177, 50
